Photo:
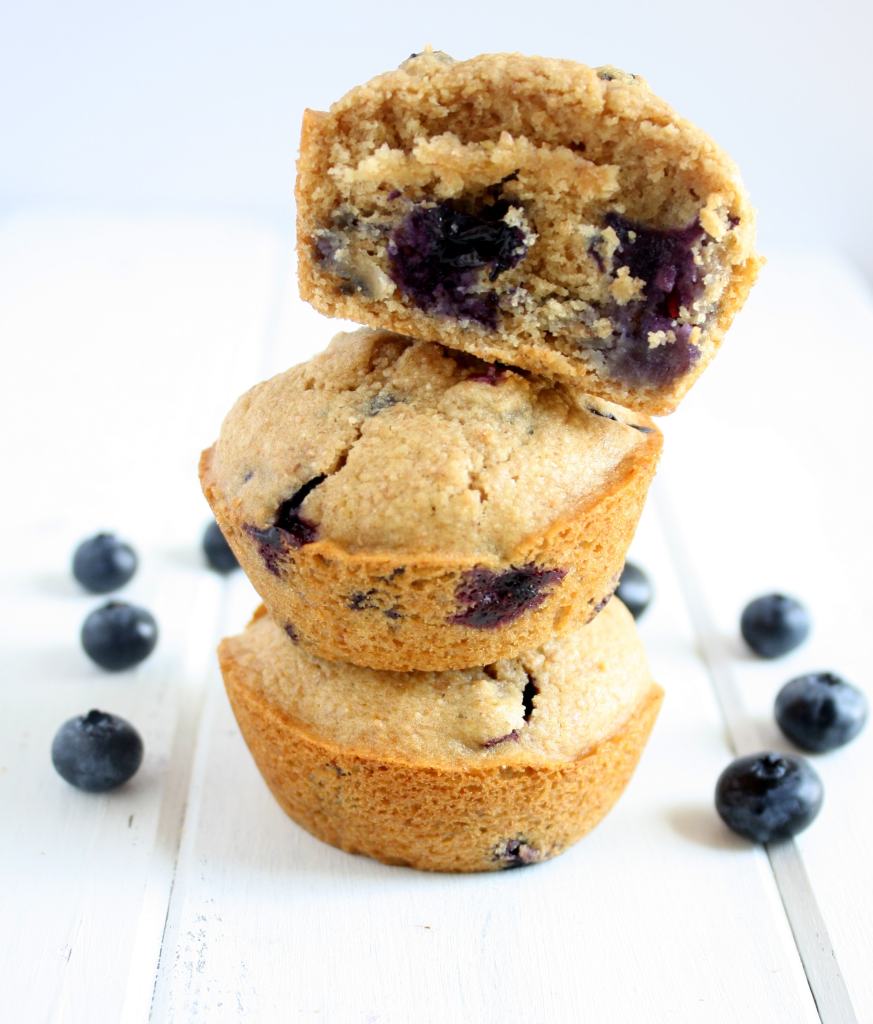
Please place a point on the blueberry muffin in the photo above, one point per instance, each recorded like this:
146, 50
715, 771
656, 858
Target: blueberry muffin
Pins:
471, 770
534, 212
405, 506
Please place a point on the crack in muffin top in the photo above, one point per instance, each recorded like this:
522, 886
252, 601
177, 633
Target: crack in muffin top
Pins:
422, 450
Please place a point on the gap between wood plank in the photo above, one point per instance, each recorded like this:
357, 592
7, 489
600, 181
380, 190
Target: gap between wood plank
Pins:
196, 748
191, 729
823, 974
171, 824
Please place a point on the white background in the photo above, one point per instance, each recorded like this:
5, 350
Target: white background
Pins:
194, 105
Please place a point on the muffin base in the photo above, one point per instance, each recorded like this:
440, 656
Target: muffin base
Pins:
433, 818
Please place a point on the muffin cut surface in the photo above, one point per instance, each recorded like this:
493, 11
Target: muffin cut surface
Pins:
531, 211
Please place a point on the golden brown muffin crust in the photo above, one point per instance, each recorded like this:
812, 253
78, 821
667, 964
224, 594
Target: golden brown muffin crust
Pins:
400, 507
495, 808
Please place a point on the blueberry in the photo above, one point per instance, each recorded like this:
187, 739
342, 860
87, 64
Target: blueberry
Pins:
103, 563
774, 624
517, 853
97, 751
492, 599
768, 796
289, 530
440, 255
665, 260
634, 589
633, 359
820, 711
218, 552
118, 635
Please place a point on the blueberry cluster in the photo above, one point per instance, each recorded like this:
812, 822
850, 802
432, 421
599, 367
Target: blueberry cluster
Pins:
99, 751
772, 796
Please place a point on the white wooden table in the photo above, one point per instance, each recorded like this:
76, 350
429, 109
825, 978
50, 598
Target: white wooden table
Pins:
188, 896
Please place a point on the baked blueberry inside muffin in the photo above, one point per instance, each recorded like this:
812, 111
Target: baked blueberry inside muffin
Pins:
530, 211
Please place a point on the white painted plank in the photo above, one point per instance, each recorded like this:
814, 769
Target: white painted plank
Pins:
659, 912
660, 915
768, 470
122, 344
808, 926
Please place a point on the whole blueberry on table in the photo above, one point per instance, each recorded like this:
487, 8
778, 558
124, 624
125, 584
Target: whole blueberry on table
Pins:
119, 635
634, 589
820, 711
774, 624
768, 796
218, 552
103, 563
97, 751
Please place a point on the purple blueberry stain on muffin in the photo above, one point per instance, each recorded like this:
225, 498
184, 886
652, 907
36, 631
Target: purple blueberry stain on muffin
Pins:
291, 632
393, 614
481, 371
665, 260
395, 573
517, 853
362, 600
378, 403
595, 255
290, 530
440, 254
326, 247
510, 737
635, 360
492, 373
489, 600
271, 546
600, 605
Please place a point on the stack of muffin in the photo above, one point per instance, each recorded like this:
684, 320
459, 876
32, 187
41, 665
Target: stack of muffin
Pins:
436, 509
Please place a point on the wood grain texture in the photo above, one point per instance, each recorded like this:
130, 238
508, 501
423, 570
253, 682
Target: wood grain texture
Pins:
188, 895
